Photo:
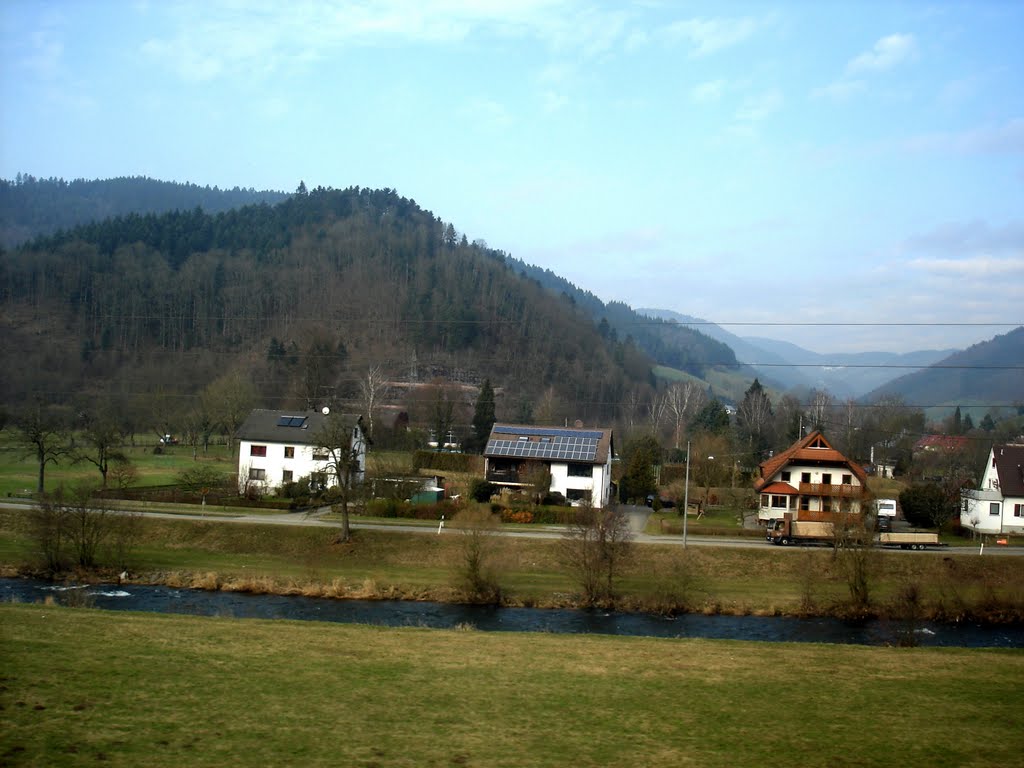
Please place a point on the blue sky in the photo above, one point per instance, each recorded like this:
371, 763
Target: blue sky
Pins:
746, 163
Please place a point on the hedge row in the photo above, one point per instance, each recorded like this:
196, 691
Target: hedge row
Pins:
448, 462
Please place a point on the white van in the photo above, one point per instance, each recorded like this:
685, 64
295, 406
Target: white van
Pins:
885, 507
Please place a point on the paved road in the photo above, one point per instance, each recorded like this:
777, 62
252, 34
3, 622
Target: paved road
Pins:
638, 519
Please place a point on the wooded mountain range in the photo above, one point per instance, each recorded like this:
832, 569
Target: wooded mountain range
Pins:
300, 297
132, 286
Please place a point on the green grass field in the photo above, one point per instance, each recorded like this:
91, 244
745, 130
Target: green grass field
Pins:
19, 471
84, 687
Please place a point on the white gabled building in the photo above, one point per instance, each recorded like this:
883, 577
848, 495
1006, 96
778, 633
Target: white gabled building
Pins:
578, 460
997, 506
279, 447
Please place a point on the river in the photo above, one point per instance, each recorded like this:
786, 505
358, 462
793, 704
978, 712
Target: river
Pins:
397, 613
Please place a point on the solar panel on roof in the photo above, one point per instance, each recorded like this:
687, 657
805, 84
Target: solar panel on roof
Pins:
559, 449
549, 432
291, 421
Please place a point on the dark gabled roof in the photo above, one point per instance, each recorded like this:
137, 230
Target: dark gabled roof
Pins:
1010, 468
812, 449
521, 441
291, 427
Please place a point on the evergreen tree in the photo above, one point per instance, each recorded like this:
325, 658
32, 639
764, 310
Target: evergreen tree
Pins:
483, 418
712, 418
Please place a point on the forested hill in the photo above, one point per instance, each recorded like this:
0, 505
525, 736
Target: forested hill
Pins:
30, 207
299, 298
669, 343
989, 372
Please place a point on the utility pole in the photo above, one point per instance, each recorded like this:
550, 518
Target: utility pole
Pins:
686, 493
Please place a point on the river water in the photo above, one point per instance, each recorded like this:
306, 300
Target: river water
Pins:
397, 613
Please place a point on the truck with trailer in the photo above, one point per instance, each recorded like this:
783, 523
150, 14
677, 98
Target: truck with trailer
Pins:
786, 531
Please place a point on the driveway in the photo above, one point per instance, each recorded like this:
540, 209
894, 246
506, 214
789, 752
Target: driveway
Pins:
638, 516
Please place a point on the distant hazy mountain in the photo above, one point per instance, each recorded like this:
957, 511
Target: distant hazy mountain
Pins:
844, 375
773, 370
990, 372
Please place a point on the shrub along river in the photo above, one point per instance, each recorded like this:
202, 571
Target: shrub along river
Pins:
395, 613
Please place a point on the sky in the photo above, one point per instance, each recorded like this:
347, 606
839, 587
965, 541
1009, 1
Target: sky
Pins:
846, 176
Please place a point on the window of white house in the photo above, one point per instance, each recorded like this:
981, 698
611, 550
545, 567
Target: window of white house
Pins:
847, 479
805, 503
289, 451
580, 470
1018, 510
286, 476
257, 450
257, 474
785, 476
805, 477
764, 499
826, 479
779, 502
993, 508
319, 455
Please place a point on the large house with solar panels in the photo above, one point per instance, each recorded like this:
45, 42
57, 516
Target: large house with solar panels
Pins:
278, 447
579, 460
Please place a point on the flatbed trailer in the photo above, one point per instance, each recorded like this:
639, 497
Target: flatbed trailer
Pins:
909, 539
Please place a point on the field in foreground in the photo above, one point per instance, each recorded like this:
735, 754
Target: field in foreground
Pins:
83, 686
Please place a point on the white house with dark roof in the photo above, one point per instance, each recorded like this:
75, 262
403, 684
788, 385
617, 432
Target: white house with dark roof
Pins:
578, 460
279, 447
997, 506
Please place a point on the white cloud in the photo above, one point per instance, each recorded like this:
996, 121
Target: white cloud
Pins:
707, 36
759, 107
840, 90
1006, 138
970, 237
886, 54
711, 90
974, 267
210, 39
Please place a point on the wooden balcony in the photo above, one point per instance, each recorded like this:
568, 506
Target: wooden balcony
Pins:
832, 491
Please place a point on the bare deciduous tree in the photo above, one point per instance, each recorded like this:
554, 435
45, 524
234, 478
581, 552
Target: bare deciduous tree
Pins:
475, 574
41, 433
228, 400
373, 390
818, 405
594, 547
682, 399
103, 438
341, 441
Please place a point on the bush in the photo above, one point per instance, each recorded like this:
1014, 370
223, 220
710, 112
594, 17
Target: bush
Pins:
481, 490
388, 508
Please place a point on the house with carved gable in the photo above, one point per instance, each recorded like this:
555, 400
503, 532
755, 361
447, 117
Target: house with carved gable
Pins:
812, 480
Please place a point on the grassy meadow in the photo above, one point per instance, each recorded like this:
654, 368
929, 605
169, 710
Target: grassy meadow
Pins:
82, 686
